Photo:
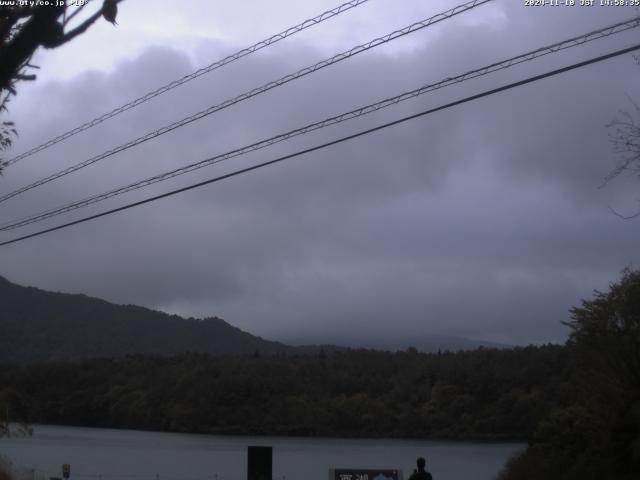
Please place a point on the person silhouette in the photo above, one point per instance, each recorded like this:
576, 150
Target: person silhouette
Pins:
421, 473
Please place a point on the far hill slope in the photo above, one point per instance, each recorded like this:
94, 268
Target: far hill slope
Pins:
36, 325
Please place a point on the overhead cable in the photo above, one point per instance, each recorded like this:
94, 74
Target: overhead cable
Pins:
333, 142
364, 110
252, 93
187, 78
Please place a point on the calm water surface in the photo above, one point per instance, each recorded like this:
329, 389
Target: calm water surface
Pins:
102, 454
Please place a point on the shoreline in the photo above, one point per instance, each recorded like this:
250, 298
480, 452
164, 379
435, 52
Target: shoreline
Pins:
460, 441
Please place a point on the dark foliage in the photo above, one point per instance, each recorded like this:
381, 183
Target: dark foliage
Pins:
482, 394
27, 26
598, 435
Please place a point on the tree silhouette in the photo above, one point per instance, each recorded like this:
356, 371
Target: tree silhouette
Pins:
624, 133
597, 437
24, 29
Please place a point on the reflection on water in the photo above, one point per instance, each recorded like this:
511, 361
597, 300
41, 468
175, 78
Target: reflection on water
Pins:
102, 454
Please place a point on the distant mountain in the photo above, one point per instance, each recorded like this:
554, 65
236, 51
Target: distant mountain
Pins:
428, 343
36, 325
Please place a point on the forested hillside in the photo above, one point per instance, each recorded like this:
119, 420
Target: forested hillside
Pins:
482, 394
37, 325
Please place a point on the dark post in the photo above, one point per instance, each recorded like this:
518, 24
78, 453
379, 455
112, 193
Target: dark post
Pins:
259, 463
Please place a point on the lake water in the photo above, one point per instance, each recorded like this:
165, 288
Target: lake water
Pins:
103, 454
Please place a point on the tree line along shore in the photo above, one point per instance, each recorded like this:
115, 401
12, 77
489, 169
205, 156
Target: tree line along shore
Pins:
577, 405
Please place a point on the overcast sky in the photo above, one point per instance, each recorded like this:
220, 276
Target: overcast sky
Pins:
484, 221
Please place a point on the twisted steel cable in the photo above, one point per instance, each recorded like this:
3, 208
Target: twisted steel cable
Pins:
187, 78
252, 93
486, 93
494, 67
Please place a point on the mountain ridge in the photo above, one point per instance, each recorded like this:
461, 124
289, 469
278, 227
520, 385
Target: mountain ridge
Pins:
39, 325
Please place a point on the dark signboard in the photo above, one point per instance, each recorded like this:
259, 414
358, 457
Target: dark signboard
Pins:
363, 474
259, 463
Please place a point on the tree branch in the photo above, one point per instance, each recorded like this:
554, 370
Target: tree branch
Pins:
17, 12
22, 76
36, 30
76, 31
80, 29
75, 12
624, 217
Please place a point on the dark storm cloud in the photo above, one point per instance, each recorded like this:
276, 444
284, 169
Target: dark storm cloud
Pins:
484, 220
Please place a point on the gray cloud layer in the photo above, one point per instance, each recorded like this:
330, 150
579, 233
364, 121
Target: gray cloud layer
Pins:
483, 220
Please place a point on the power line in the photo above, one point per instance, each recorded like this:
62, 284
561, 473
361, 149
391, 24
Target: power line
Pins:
334, 142
528, 56
187, 78
256, 91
